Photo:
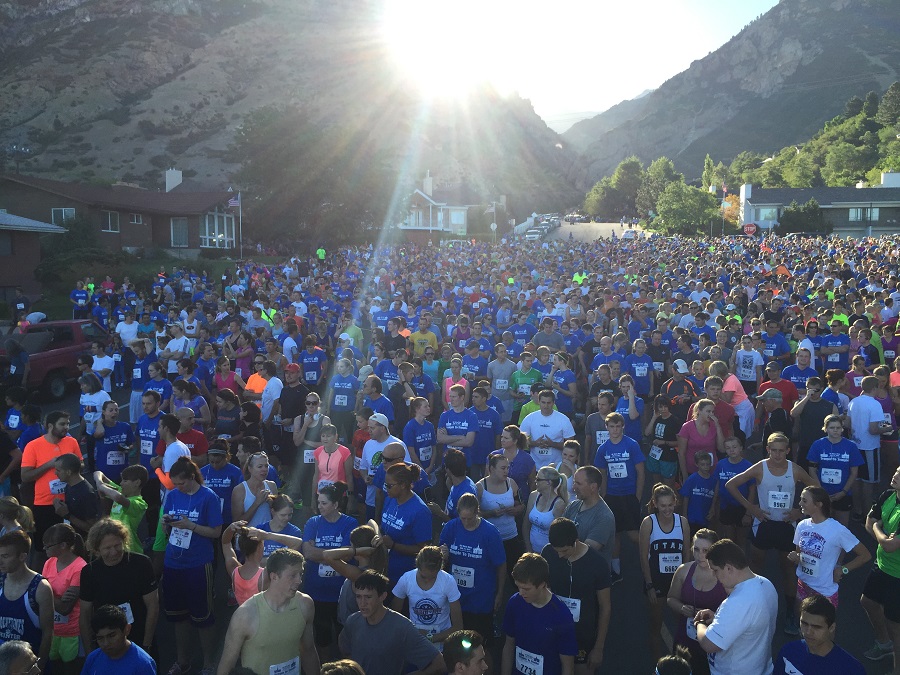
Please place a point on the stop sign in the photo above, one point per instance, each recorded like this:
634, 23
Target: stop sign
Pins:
750, 228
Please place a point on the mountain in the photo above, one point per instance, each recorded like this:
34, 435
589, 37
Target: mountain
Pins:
119, 90
774, 84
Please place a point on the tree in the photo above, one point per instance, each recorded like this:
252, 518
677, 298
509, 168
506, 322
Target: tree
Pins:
805, 218
708, 173
604, 199
889, 109
844, 165
800, 172
870, 107
854, 107
658, 176
627, 180
686, 209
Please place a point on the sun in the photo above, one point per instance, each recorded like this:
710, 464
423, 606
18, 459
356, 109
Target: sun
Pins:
444, 48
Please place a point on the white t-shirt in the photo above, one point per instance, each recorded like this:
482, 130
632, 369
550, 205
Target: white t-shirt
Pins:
177, 345
820, 546
371, 460
173, 452
743, 629
745, 364
128, 332
270, 394
555, 426
863, 410
103, 363
429, 610
290, 349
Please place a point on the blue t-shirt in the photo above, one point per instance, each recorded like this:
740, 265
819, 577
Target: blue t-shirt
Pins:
290, 530
161, 387
423, 385
725, 471
477, 366
388, 373
835, 461
565, 404
640, 368
29, 433
135, 662
313, 365
188, 549
139, 375
80, 297
108, 456
418, 487
474, 559
841, 360
382, 405
148, 437
222, 482
522, 333
320, 581
798, 375
700, 492
795, 658
343, 392
457, 491
619, 461
458, 423
775, 344
489, 428
831, 396
422, 438
632, 427
406, 523
541, 634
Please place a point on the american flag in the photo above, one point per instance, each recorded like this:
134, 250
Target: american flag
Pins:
235, 201
724, 187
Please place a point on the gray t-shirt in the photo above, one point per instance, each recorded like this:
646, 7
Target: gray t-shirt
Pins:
597, 523
500, 375
384, 648
595, 435
554, 341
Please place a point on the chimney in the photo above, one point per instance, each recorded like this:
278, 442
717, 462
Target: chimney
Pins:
428, 183
173, 179
890, 179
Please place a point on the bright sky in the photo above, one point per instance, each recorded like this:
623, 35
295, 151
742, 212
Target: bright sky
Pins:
569, 57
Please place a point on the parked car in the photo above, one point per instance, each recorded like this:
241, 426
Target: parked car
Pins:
629, 234
53, 349
534, 234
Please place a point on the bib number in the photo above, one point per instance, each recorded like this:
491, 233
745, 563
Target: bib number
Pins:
780, 500
115, 459
340, 400
831, 476
640, 370
291, 667
525, 389
57, 487
180, 537
501, 385
658, 366
574, 605
809, 565
602, 437
834, 358
146, 447
690, 628
669, 562
618, 470
425, 453
769, 352
13, 422
60, 618
117, 358
529, 663
129, 615
465, 576
309, 457
326, 571
656, 452
311, 376
136, 373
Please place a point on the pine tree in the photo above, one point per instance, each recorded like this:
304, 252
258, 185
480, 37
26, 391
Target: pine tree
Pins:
889, 109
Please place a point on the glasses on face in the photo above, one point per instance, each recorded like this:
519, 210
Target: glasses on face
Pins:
49, 546
388, 486
312, 403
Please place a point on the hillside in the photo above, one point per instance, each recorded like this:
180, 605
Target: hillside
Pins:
112, 90
775, 83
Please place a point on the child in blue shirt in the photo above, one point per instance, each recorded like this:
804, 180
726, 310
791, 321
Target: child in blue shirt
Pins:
698, 492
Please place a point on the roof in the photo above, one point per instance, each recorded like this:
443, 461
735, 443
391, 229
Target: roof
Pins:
825, 196
457, 195
126, 198
19, 224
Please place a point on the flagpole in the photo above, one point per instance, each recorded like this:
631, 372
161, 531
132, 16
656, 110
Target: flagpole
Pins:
241, 224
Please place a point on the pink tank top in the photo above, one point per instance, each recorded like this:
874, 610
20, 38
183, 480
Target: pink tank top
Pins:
331, 466
244, 589
227, 383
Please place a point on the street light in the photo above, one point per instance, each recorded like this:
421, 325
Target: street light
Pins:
18, 152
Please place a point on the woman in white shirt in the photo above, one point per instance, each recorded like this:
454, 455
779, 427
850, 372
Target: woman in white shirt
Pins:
433, 596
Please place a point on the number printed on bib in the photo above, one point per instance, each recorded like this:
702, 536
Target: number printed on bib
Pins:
180, 537
529, 663
115, 458
425, 453
640, 369
669, 562
809, 565
779, 500
291, 667
146, 447
136, 373
525, 389
501, 385
311, 376
834, 358
656, 452
465, 576
340, 400
57, 487
602, 437
309, 456
831, 476
129, 615
618, 470
326, 571
574, 605
60, 618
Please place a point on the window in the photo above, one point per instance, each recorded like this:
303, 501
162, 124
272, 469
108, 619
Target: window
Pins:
864, 215
6, 244
109, 221
136, 219
179, 232
60, 216
217, 230
768, 213
458, 217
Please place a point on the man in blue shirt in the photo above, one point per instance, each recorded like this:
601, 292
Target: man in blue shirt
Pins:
816, 653
776, 345
458, 425
116, 653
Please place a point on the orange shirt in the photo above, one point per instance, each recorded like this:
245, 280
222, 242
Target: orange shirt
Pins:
40, 451
256, 383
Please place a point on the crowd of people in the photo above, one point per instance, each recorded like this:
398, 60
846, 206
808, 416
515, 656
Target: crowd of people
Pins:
442, 458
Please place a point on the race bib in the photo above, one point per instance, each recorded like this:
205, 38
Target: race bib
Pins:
311, 376
809, 565
115, 458
831, 476
322, 484
291, 667
20, 306
136, 373
81, 302
618, 470
180, 537
602, 437
57, 487
503, 385
656, 452
60, 618
889, 354
340, 400
309, 457
887, 418
779, 500
356, 462
465, 576
146, 447
574, 605
529, 663
857, 381
834, 358
425, 453
525, 389
658, 366
117, 357
690, 628
327, 571
129, 615
669, 562
640, 369
13, 421
239, 372
12, 369
769, 352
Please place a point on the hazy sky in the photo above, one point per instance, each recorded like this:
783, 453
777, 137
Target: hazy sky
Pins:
567, 56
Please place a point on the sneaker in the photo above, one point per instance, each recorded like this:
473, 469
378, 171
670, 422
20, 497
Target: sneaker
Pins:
177, 669
614, 578
791, 627
878, 652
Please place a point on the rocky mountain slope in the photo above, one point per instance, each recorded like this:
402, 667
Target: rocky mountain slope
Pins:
773, 84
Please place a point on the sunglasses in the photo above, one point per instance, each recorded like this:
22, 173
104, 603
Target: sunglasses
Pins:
312, 403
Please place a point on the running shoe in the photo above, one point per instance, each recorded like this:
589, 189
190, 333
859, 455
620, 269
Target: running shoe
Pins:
177, 669
878, 652
614, 578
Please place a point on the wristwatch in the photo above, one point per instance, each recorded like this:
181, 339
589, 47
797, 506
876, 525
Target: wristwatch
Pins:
845, 571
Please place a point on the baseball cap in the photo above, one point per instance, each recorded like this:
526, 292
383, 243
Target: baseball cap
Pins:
344, 336
730, 308
381, 418
217, 451
772, 394
365, 371
292, 368
773, 365
681, 366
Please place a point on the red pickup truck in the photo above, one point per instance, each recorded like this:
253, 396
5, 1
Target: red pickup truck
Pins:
53, 349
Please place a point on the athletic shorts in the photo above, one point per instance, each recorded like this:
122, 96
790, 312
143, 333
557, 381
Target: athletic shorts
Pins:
885, 590
804, 591
732, 515
771, 534
483, 624
870, 469
187, 594
627, 511
65, 649
664, 469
